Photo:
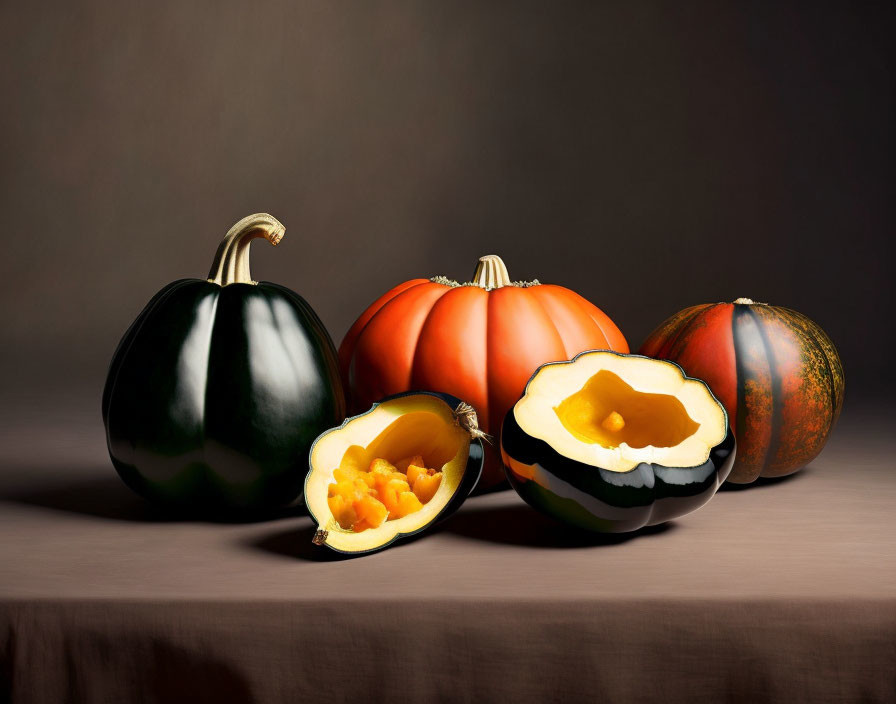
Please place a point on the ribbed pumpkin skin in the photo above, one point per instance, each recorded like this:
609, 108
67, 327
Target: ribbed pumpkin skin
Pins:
776, 372
478, 345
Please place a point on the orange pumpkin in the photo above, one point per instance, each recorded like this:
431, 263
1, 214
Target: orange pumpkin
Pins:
479, 341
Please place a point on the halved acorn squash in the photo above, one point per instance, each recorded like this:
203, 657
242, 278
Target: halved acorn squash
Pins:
393, 471
614, 442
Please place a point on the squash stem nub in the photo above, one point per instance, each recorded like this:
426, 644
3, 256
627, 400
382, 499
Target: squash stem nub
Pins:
491, 273
465, 417
231, 263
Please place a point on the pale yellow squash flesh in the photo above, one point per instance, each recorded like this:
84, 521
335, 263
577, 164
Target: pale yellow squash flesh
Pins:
395, 429
616, 411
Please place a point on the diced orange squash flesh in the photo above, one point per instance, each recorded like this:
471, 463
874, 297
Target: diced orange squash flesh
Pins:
360, 526
408, 503
379, 466
426, 486
343, 513
341, 475
370, 511
362, 500
402, 465
415, 471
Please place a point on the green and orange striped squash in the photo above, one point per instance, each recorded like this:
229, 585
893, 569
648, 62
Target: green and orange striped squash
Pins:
776, 372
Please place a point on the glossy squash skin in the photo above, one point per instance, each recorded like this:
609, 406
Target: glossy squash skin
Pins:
776, 372
480, 342
216, 393
601, 500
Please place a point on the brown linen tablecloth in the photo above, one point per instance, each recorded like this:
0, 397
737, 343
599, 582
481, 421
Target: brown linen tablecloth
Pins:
783, 592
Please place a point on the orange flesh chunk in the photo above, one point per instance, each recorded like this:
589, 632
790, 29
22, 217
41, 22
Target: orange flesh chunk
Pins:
402, 465
407, 503
371, 513
362, 500
379, 466
427, 485
613, 422
414, 472
343, 512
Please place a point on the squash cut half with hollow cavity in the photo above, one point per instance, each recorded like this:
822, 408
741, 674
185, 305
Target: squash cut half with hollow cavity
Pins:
614, 442
409, 434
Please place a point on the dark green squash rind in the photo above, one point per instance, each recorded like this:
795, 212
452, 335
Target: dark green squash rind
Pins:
619, 501
128, 338
197, 421
623, 501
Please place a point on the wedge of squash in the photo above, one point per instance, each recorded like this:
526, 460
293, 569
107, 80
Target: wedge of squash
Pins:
614, 442
392, 472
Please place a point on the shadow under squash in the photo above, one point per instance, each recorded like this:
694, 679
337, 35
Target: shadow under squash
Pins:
765, 481
524, 526
295, 543
110, 499
503, 525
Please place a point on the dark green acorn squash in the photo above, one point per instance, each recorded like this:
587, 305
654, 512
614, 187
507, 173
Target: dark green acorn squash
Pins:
219, 387
613, 442
440, 429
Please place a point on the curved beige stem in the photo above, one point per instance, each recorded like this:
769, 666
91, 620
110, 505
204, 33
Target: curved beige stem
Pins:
231, 263
491, 273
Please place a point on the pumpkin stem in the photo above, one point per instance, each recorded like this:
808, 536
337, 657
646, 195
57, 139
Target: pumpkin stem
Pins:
491, 273
231, 263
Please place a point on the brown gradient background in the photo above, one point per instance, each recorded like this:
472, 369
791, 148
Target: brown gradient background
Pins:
646, 155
